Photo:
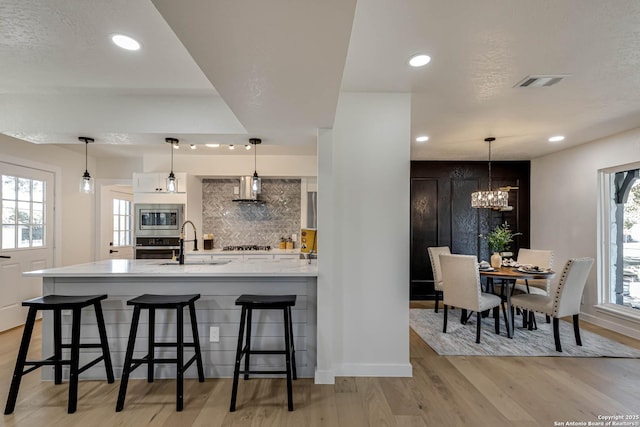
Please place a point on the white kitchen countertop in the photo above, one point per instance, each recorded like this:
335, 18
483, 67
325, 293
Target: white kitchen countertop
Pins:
154, 268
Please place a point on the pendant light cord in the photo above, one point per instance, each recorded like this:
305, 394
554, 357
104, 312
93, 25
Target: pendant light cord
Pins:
86, 156
489, 165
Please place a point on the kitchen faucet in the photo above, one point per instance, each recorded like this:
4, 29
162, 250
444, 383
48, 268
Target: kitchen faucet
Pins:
195, 240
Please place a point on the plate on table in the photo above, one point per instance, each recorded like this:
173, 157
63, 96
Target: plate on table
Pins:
531, 270
486, 269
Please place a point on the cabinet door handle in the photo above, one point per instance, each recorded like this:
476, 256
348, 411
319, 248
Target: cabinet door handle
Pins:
5, 256
112, 251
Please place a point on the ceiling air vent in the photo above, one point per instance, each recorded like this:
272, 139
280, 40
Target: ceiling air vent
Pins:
541, 80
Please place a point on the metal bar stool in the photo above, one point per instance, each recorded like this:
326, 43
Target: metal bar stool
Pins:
264, 302
151, 303
57, 303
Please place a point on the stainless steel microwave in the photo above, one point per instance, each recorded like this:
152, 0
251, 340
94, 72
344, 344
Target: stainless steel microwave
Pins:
158, 219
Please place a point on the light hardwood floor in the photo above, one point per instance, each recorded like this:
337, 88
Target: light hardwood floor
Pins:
444, 391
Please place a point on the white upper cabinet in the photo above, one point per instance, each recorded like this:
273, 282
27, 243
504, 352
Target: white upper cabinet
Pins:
156, 182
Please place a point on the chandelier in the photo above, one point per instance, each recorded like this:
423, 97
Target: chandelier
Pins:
491, 199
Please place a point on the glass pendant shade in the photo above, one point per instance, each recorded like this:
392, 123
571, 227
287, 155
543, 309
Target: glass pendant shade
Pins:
490, 199
256, 182
172, 182
87, 184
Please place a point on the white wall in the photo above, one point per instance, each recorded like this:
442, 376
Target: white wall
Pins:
76, 211
363, 243
564, 201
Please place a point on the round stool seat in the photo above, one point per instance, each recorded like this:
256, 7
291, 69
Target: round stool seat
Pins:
267, 300
163, 301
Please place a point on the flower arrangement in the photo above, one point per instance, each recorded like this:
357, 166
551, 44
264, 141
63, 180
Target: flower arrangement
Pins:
500, 238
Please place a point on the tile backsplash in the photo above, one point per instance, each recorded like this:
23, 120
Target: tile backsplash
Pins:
233, 223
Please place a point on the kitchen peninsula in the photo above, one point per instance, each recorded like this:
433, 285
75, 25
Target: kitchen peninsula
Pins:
218, 282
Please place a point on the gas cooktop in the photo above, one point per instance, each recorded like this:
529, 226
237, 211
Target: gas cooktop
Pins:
247, 248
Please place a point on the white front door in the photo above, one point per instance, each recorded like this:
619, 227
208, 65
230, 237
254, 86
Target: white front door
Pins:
26, 237
116, 222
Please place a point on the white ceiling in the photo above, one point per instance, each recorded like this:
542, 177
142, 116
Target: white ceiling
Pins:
225, 71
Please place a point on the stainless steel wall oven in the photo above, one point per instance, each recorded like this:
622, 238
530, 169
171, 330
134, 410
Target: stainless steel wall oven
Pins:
157, 230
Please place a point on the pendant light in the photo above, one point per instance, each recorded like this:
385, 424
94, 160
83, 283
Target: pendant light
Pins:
256, 182
490, 199
87, 183
172, 182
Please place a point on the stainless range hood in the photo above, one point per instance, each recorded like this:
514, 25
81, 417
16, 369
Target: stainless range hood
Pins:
246, 195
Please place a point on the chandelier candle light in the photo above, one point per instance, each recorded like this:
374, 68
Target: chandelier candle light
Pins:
491, 199
87, 183
172, 182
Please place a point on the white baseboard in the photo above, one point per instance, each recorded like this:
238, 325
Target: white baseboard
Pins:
374, 370
363, 370
325, 377
613, 326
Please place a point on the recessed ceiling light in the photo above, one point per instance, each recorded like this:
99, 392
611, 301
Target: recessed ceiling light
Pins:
125, 42
247, 147
422, 138
556, 138
193, 146
419, 60
231, 147
213, 145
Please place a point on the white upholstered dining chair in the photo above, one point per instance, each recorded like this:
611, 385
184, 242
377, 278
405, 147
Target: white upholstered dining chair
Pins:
535, 257
461, 289
434, 256
563, 300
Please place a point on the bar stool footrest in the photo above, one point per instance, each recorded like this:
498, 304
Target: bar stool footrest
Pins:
262, 372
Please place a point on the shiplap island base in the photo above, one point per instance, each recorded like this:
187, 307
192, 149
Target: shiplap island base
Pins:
219, 286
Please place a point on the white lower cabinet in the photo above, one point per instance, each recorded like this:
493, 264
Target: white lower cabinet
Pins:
257, 257
249, 258
286, 257
229, 257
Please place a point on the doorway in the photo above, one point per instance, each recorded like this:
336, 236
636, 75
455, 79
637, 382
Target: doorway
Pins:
26, 237
116, 222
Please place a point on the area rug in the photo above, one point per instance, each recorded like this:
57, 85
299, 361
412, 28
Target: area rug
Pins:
460, 340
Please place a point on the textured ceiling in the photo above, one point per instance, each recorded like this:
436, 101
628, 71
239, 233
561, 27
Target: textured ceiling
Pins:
225, 71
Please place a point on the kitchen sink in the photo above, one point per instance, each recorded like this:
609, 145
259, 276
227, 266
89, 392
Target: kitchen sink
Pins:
222, 261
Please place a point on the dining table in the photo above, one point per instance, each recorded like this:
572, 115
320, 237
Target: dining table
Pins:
509, 275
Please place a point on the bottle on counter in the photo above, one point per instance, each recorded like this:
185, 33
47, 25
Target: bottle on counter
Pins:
208, 241
282, 244
289, 243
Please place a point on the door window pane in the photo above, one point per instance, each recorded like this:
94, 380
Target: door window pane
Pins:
38, 191
8, 237
8, 212
121, 222
24, 236
8, 187
23, 207
24, 213
24, 189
